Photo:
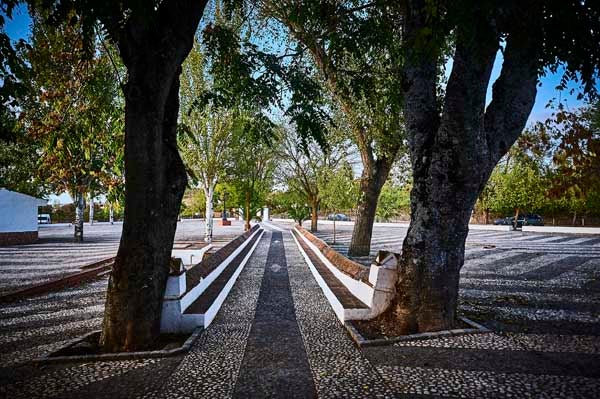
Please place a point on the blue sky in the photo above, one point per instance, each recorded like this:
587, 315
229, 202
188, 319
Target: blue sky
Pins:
18, 28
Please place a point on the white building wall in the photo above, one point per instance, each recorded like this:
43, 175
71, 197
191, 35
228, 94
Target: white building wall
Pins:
18, 212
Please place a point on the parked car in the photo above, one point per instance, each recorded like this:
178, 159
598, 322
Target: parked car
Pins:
531, 219
340, 217
503, 221
44, 218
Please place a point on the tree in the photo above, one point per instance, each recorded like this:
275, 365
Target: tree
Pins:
521, 187
455, 141
355, 47
153, 38
208, 133
194, 203
338, 190
393, 200
575, 156
302, 166
71, 111
251, 171
18, 159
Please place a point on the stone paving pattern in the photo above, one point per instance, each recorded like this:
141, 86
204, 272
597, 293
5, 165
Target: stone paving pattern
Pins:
519, 282
55, 255
545, 342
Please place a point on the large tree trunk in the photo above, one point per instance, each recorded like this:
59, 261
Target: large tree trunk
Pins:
79, 209
314, 215
372, 180
153, 48
209, 193
452, 155
432, 256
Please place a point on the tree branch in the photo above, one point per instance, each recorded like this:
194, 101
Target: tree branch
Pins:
513, 96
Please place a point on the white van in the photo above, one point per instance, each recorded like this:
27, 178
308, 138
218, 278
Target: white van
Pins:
44, 218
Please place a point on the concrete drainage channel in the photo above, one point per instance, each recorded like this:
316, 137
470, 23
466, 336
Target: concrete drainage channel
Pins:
192, 299
355, 297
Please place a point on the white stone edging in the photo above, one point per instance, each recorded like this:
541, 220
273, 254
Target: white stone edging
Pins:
337, 307
359, 289
383, 278
173, 319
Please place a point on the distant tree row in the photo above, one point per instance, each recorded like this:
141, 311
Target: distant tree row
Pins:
553, 169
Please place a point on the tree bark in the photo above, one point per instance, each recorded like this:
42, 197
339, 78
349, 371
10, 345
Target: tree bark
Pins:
314, 215
111, 213
91, 209
372, 180
247, 211
452, 156
153, 48
208, 233
79, 209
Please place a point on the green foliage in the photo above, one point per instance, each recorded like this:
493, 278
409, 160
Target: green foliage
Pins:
250, 175
194, 203
520, 187
291, 202
356, 47
338, 189
301, 167
206, 130
246, 74
73, 111
18, 160
393, 201
553, 168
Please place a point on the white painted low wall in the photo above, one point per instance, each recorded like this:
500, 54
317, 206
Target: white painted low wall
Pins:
177, 300
376, 296
190, 256
562, 230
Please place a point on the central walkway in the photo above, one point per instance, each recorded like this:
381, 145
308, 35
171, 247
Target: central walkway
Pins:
275, 358
275, 337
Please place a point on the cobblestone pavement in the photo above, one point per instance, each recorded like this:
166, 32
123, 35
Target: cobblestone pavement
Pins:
540, 294
545, 342
517, 282
55, 255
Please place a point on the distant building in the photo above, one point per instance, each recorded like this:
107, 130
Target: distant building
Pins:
18, 217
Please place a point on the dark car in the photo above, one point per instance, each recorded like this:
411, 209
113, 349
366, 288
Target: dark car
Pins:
533, 220
530, 219
504, 221
340, 217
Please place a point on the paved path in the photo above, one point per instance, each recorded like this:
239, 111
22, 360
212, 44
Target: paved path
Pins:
276, 336
275, 358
